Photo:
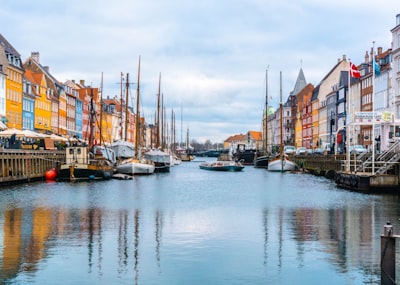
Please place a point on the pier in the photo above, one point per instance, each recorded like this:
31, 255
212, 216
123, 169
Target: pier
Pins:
19, 165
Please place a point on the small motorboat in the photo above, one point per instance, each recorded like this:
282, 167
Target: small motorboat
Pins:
222, 165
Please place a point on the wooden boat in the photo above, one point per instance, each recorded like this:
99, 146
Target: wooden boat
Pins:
82, 164
282, 162
161, 160
219, 165
134, 165
262, 161
87, 162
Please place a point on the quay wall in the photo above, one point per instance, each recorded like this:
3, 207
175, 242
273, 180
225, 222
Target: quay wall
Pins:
321, 165
19, 165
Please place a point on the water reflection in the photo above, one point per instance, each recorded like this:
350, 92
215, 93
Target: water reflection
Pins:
104, 240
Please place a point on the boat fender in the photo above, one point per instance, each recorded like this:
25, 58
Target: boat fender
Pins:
106, 176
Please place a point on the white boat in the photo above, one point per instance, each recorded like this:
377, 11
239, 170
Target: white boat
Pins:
175, 160
282, 162
161, 160
134, 166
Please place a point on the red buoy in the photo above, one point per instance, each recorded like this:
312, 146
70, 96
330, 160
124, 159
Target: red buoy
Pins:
51, 174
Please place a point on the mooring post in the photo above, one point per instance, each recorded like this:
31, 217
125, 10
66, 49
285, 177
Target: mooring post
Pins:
388, 256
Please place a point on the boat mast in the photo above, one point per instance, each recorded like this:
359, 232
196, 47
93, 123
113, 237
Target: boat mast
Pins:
120, 122
101, 109
266, 114
126, 106
92, 114
137, 130
281, 114
158, 114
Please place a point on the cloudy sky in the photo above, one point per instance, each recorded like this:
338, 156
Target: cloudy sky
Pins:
212, 54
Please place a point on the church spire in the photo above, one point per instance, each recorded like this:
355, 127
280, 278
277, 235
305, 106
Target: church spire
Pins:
300, 82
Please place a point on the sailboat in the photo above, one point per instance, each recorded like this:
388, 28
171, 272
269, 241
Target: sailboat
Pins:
87, 162
262, 161
161, 159
282, 162
134, 165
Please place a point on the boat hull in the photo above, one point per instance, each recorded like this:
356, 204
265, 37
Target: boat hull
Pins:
135, 168
73, 172
281, 165
261, 162
221, 166
161, 160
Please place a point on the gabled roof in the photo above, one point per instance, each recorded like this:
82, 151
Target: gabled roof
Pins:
315, 92
256, 135
8, 47
233, 138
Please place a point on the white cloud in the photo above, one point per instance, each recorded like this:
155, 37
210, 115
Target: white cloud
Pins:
212, 55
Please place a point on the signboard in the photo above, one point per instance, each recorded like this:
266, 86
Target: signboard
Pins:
367, 118
387, 116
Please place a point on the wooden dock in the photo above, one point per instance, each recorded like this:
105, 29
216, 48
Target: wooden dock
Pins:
19, 165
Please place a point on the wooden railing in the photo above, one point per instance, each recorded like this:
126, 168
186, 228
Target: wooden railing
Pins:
24, 165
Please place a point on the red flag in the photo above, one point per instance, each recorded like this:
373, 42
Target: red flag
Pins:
354, 72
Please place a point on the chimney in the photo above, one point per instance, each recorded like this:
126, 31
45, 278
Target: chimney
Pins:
47, 68
344, 57
82, 82
379, 50
397, 20
73, 81
35, 56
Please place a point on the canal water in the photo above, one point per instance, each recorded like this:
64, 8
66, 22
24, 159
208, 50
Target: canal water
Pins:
193, 226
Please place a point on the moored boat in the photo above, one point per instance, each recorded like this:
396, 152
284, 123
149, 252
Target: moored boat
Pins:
281, 164
134, 166
220, 165
87, 162
261, 161
81, 164
161, 160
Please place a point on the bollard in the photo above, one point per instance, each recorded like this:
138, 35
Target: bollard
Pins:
388, 256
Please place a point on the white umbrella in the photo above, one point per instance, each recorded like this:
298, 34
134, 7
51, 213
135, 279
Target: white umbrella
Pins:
20, 133
55, 137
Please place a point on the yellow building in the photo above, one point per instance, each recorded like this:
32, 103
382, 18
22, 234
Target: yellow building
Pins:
14, 71
42, 121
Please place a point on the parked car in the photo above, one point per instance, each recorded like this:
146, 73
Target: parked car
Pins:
357, 149
319, 151
301, 151
289, 149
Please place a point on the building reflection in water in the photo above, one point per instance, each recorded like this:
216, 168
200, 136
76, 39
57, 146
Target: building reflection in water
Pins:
347, 235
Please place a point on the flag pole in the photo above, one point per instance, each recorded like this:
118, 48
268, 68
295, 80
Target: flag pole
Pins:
348, 125
373, 110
